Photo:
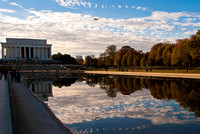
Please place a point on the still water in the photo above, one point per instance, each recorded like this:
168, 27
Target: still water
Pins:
100, 104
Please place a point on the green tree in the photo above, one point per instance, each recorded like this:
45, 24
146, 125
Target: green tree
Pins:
110, 51
101, 60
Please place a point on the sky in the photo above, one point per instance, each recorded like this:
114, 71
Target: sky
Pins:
70, 27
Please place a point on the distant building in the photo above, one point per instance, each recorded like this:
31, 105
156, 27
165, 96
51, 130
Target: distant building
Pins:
78, 57
22, 49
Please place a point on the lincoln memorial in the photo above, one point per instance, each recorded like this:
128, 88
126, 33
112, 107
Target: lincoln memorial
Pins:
22, 49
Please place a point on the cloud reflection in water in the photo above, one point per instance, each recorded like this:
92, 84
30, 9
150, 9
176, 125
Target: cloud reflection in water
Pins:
81, 103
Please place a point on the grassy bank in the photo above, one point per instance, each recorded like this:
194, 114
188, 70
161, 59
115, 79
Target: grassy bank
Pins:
157, 71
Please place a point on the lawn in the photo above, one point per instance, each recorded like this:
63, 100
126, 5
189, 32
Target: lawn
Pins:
158, 71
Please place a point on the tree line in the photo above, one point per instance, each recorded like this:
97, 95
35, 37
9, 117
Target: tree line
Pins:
64, 58
185, 52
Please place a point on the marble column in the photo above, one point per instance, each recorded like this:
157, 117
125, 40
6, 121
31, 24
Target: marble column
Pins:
33, 52
46, 52
2, 52
15, 52
11, 52
20, 52
38, 52
6, 52
24, 52
29, 48
49, 53
42, 52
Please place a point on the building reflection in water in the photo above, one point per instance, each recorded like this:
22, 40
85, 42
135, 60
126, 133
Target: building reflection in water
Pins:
42, 89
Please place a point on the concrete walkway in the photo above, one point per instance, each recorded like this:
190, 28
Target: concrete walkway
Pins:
31, 116
172, 75
5, 113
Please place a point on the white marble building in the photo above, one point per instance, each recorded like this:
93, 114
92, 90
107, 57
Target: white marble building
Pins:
22, 49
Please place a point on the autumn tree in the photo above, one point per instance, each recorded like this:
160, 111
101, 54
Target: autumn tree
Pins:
130, 59
166, 55
101, 60
159, 58
64, 58
110, 54
153, 59
180, 54
125, 56
124, 60
143, 62
136, 60
194, 48
118, 59
91, 60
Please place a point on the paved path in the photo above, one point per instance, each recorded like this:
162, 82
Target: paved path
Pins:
5, 114
30, 116
174, 75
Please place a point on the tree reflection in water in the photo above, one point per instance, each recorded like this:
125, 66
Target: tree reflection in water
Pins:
64, 82
184, 91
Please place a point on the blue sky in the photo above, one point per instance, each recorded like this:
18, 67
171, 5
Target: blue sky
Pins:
70, 27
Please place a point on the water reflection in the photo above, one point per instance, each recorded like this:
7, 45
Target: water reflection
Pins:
41, 84
64, 82
42, 90
184, 91
124, 104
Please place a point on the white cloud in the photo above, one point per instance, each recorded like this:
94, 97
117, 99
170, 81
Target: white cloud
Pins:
191, 19
15, 4
71, 33
85, 4
144, 8
95, 6
89, 4
139, 8
6, 10
158, 15
74, 3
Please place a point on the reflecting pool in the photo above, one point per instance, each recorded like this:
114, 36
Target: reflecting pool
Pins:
102, 104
